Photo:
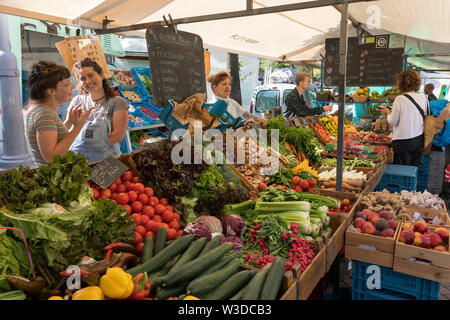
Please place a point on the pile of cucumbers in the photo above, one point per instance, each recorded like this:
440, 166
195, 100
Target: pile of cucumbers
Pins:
205, 269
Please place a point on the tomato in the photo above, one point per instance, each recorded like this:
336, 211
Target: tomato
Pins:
171, 234
105, 194
167, 216
139, 248
95, 193
127, 185
159, 209
141, 230
261, 187
176, 216
123, 198
149, 225
149, 191
118, 181
155, 227
296, 180
149, 234
304, 184
137, 238
164, 201
157, 218
114, 195
144, 219
127, 207
148, 211
113, 187
174, 224
153, 201
310, 190
180, 232
169, 207
139, 187
121, 188
137, 218
298, 189
312, 182
136, 206
127, 176
143, 198
132, 195
136, 179
345, 202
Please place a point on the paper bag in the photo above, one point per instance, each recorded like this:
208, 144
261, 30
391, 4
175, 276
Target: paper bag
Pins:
73, 49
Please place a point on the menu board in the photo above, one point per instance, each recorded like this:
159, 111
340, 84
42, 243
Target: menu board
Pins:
177, 64
371, 61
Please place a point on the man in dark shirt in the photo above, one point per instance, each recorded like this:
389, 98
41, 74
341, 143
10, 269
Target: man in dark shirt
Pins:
429, 88
296, 105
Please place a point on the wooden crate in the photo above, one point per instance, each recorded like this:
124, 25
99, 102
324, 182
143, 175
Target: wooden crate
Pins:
336, 241
431, 213
375, 179
369, 248
437, 268
312, 275
244, 180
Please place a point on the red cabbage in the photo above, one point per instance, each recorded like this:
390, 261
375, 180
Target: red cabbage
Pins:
236, 241
233, 225
199, 230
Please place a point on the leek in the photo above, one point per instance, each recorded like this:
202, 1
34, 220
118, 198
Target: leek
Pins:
304, 225
301, 214
282, 206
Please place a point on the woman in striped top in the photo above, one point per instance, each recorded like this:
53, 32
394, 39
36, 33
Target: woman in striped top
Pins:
50, 85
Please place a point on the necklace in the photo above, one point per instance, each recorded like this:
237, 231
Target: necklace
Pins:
96, 101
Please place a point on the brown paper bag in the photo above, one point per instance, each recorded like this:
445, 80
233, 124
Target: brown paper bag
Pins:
73, 49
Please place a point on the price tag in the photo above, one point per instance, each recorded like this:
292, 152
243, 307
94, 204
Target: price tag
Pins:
107, 171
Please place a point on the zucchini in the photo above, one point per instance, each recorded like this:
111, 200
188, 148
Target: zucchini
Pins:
197, 266
190, 254
229, 287
147, 252
160, 241
274, 279
206, 283
222, 263
13, 295
159, 260
164, 293
255, 286
213, 243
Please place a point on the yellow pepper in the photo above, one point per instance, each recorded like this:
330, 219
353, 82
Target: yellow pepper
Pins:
56, 298
117, 284
191, 298
89, 293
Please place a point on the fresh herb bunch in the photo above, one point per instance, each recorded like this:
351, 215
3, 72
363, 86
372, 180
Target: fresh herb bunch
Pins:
61, 182
148, 84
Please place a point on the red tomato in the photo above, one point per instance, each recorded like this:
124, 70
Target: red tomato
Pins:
157, 218
127, 207
137, 218
141, 230
174, 224
164, 201
95, 193
304, 184
165, 225
310, 190
114, 195
139, 187
159, 209
171, 234
127, 185
131, 186
149, 225
105, 194
169, 207
149, 191
127, 176
261, 187
296, 180
136, 179
136, 206
298, 189
118, 181
153, 201
180, 232
143, 198
137, 238
176, 216
121, 188
132, 195
144, 219
139, 248
168, 216
155, 227
312, 182
148, 211
122, 198
113, 187
149, 234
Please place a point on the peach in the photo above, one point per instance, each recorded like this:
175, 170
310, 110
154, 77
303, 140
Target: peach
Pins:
393, 224
440, 248
435, 240
368, 228
359, 230
422, 241
367, 212
359, 222
385, 215
420, 226
388, 233
442, 232
406, 226
373, 217
407, 236
361, 215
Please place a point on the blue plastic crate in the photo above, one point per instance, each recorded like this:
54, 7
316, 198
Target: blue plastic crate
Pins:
138, 90
397, 178
137, 71
138, 113
422, 177
394, 284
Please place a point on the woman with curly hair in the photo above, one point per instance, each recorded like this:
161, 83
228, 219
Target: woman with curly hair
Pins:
407, 120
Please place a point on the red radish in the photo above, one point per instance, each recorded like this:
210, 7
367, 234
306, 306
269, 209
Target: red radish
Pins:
122, 198
164, 201
127, 207
132, 195
148, 211
159, 209
143, 198
149, 191
153, 201
136, 206
168, 216
121, 188
298, 189
137, 238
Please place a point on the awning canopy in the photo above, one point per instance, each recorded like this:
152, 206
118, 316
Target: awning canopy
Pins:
291, 36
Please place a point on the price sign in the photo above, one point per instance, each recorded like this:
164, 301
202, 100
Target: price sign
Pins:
107, 171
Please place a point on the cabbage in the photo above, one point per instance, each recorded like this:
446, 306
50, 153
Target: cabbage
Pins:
199, 230
214, 224
236, 241
233, 225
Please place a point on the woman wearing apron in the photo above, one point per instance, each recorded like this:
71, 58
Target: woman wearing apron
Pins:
107, 124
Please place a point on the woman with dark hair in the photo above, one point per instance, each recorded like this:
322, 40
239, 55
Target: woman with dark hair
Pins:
107, 124
50, 85
407, 120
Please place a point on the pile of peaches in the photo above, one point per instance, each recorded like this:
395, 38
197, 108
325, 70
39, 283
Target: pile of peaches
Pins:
377, 224
418, 234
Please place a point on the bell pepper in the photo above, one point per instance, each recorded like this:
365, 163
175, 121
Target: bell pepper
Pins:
116, 283
141, 287
89, 293
191, 298
56, 298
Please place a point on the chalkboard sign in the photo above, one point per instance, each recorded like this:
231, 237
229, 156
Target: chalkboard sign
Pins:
177, 64
107, 171
371, 61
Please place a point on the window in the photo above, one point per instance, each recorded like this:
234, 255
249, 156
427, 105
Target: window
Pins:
285, 94
266, 100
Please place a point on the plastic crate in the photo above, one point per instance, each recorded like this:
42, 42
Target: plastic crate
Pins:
138, 90
394, 285
150, 111
422, 176
139, 113
137, 71
397, 178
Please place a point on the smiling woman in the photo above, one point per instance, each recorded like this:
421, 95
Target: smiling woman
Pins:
107, 124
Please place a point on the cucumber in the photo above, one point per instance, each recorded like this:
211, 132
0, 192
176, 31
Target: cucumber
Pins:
160, 241
229, 287
211, 244
160, 259
273, 281
238, 296
153, 278
222, 263
147, 252
255, 286
190, 254
204, 284
13, 295
164, 293
197, 266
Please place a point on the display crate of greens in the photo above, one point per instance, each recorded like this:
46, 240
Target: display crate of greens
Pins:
144, 81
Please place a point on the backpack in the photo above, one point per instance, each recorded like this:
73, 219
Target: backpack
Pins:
443, 137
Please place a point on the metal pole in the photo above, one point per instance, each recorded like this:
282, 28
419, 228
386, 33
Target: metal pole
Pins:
249, 4
405, 65
321, 75
342, 85
15, 150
